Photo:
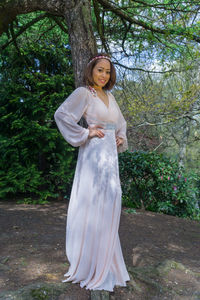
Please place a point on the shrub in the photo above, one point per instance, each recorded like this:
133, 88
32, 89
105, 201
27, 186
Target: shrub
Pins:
35, 160
153, 182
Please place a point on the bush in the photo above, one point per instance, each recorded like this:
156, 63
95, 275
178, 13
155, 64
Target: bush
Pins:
35, 160
153, 182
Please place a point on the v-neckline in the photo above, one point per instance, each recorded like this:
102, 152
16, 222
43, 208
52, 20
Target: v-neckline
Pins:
94, 93
104, 102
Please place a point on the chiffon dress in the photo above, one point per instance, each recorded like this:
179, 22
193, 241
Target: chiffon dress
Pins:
92, 241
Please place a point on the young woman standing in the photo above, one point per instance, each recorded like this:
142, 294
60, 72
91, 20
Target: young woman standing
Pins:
92, 241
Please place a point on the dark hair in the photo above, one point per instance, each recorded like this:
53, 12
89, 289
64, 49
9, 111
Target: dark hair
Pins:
88, 78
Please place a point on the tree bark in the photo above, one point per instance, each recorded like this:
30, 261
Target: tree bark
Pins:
183, 144
77, 15
81, 36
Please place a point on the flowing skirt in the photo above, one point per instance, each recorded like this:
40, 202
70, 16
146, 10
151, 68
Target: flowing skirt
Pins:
92, 241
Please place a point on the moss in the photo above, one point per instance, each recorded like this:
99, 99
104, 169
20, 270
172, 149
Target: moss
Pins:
39, 291
169, 265
147, 275
155, 279
100, 295
40, 294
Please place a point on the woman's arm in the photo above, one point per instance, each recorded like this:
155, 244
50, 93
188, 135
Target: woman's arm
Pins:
68, 115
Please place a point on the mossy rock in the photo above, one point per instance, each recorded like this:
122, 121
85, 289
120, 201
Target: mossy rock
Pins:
167, 279
168, 265
39, 291
100, 295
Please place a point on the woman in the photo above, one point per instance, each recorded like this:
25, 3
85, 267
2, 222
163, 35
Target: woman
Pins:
92, 242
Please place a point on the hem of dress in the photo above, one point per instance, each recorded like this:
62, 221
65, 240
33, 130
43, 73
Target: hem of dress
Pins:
96, 289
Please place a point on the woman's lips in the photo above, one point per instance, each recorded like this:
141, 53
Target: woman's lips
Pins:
102, 81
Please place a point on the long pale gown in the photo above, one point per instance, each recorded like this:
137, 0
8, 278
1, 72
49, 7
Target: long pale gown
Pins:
92, 241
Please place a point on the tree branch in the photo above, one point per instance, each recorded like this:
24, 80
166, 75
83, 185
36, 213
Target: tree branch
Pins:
60, 24
9, 9
188, 116
166, 6
143, 70
99, 24
24, 28
119, 12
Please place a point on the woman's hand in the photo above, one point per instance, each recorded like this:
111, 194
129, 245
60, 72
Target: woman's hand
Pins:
95, 131
119, 141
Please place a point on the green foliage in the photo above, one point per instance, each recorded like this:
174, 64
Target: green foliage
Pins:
29, 200
35, 162
130, 211
40, 294
154, 182
148, 30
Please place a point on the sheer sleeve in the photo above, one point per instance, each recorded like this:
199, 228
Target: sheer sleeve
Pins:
68, 115
121, 130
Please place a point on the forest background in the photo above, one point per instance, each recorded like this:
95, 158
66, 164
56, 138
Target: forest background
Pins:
155, 48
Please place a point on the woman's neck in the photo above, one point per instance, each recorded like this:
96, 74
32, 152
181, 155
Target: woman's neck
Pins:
98, 88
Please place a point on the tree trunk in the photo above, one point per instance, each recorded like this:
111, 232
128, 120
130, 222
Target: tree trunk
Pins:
183, 144
77, 14
82, 41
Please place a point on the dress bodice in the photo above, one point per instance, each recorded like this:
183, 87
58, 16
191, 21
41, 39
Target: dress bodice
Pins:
82, 102
98, 113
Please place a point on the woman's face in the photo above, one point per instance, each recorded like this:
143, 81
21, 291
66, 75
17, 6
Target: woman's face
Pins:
101, 73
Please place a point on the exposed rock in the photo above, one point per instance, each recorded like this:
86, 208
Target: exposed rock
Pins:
39, 291
168, 278
100, 295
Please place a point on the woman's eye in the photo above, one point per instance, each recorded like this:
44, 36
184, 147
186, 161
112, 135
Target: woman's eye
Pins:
101, 70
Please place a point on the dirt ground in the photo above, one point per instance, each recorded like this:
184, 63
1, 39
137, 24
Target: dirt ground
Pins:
162, 254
